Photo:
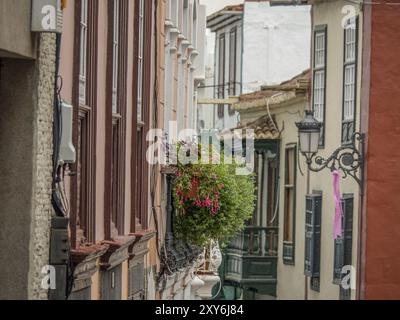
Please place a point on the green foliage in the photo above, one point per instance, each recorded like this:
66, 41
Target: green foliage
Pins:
213, 203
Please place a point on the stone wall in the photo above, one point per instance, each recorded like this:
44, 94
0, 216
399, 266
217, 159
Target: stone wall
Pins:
26, 149
42, 174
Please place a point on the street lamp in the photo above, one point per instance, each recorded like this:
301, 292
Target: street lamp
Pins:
309, 135
347, 158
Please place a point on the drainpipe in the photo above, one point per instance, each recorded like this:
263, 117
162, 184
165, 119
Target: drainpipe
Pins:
310, 107
305, 277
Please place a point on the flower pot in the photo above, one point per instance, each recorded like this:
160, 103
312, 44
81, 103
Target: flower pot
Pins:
210, 279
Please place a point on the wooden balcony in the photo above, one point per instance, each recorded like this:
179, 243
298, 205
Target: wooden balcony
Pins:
251, 260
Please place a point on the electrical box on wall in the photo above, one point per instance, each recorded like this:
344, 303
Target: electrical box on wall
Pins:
47, 16
67, 150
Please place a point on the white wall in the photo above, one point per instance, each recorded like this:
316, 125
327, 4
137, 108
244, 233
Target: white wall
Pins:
184, 63
276, 43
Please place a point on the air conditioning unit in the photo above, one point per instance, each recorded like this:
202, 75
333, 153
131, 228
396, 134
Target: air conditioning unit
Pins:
47, 16
67, 152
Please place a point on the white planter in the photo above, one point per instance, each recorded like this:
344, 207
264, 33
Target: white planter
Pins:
210, 280
195, 285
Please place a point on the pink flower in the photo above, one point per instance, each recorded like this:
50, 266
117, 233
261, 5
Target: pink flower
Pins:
207, 202
214, 211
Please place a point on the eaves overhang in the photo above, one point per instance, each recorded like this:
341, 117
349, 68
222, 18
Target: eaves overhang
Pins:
225, 17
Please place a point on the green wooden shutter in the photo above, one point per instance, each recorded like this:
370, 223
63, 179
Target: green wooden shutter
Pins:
313, 235
338, 261
348, 203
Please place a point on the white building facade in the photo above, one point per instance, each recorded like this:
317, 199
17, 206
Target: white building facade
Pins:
185, 29
257, 43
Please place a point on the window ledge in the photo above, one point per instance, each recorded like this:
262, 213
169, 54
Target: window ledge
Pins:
139, 248
85, 260
117, 252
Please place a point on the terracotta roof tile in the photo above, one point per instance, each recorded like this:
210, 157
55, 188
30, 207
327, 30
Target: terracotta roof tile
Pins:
270, 91
264, 128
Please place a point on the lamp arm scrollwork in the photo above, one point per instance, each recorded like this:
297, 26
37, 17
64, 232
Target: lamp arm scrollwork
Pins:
348, 158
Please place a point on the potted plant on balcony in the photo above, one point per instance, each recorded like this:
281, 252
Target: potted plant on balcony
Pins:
212, 201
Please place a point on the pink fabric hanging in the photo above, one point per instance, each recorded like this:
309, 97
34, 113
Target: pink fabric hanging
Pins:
337, 225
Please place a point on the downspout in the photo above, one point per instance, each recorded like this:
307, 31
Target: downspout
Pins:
310, 90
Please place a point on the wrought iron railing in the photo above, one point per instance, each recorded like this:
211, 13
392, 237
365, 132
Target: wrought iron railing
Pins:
175, 254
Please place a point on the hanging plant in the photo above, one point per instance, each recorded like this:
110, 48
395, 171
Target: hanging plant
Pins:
212, 202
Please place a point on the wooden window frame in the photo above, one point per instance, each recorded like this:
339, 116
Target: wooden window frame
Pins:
232, 61
140, 55
221, 73
83, 34
140, 127
116, 110
174, 11
349, 125
186, 15
83, 183
232, 65
317, 69
288, 251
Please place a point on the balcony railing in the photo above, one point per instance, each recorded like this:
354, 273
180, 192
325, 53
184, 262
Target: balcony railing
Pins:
256, 241
175, 255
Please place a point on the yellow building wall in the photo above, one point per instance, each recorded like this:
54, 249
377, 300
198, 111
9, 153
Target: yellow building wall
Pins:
291, 280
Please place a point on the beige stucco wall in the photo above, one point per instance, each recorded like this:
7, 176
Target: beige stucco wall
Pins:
291, 278
291, 283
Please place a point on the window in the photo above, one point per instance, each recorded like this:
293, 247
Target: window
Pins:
344, 245
319, 78
141, 121
290, 204
84, 223
174, 11
221, 74
232, 62
194, 28
312, 255
116, 120
140, 39
232, 66
265, 213
349, 80
115, 55
83, 52
83, 183
186, 18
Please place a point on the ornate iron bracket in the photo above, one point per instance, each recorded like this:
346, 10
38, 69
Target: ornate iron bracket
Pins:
349, 159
